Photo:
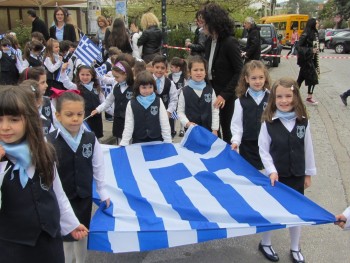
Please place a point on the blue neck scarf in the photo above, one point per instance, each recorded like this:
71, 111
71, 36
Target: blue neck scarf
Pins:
89, 85
254, 93
123, 84
177, 74
21, 153
146, 101
290, 115
73, 142
8, 52
197, 85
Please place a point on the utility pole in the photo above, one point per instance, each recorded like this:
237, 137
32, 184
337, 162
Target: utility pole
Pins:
164, 28
273, 5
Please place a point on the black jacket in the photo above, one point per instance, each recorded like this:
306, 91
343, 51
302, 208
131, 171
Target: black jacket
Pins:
126, 48
151, 40
68, 32
253, 47
198, 45
226, 67
39, 25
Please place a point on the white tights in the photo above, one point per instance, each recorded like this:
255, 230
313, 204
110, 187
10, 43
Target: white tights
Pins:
294, 232
76, 249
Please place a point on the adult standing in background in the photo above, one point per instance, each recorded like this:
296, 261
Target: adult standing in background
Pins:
118, 37
61, 30
38, 25
253, 48
308, 58
151, 38
135, 35
224, 61
102, 27
198, 45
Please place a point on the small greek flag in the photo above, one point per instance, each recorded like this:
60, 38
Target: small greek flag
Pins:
174, 115
100, 44
101, 71
14, 51
87, 51
2, 36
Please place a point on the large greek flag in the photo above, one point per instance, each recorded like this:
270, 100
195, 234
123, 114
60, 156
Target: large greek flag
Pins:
167, 195
87, 51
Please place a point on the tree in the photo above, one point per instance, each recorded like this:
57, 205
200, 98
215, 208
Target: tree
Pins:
305, 7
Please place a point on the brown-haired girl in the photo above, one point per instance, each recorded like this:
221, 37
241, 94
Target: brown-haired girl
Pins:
286, 150
146, 118
252, 93
120, 96
32, 54
35, 211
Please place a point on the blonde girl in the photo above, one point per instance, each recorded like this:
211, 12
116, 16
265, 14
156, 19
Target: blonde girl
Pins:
53, 63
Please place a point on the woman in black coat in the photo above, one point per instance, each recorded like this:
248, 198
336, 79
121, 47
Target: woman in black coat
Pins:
61, 30
308, 58
118, 37
224, 62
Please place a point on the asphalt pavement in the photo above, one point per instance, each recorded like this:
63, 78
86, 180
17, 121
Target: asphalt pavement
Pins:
330, 126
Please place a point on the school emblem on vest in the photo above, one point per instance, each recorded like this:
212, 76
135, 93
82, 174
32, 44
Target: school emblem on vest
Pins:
154, 110
207, 97
301, 131
264, 105
165, 98
45, 130
47, 111
128, 95
87, 150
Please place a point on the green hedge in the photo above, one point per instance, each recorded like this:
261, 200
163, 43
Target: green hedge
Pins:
177, 37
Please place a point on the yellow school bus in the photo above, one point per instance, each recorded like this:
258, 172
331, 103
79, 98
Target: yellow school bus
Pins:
285, 24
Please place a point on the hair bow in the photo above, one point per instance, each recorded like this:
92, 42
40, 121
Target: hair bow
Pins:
58, 92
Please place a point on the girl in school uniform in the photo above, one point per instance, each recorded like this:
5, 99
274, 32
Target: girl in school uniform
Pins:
88, 85
32, 54
120, 96
196, 100
146, 118
286, 151
53, 63
76, 147
252, 93
9, 64
178, 75
34, 211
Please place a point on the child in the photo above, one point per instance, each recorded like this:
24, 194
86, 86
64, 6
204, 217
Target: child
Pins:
39, 74
53, 63
87, 83
8, 64
342, 219
196, 101
34, 210
33, 86
252, 93
286, 151
165, 88
120, 96
139, 66
32, 54
293, 42
178, 75
146, 119
77, 147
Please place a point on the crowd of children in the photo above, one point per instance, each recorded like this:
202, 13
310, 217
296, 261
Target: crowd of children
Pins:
144, 102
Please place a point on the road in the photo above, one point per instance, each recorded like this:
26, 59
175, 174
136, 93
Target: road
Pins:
330, 126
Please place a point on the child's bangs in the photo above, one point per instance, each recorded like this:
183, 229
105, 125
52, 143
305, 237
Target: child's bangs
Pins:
10, 105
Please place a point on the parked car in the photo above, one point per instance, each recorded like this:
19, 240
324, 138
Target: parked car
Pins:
340, 43
333, 32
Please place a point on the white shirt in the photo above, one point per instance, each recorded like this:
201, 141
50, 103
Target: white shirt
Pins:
52, 67
130, 124
237, 119
214, 111
211, 56
173, 94
136, 50
346, 213
265, 142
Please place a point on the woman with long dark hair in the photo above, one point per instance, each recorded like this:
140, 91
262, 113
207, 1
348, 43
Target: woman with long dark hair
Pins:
118, 37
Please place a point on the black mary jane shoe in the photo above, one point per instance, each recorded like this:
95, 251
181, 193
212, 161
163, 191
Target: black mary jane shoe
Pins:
272, 257
297, 257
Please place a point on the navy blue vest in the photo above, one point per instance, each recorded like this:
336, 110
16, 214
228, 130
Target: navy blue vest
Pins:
46, 126
287, 148
121, 100
46, 109
252, 116
75, 168
146, 122
180, 83
52, 76
26, 212
9, 72
165, 93
33, 62
198, 109
92, 100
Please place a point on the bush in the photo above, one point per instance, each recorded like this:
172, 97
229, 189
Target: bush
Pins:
23, 32
177, 37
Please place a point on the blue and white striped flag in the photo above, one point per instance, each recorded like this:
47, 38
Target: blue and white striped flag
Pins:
102, 70
87, 51
174, 115
165, 195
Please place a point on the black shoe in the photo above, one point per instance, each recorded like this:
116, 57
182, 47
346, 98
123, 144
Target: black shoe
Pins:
181, 134
272, 257
343, 99
173, 134
297, 257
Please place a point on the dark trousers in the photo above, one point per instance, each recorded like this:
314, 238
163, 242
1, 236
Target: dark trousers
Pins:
301, 79
225, 120
347, 93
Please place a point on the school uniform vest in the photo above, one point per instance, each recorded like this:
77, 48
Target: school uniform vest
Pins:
165, 93
108, 66
52, 75
34, 62
46, 109
146, 121
46, 123
198, 109
180, 83
9, 72
287, 148
75, 168
252, 116
121, 100
91, 98
26, 212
